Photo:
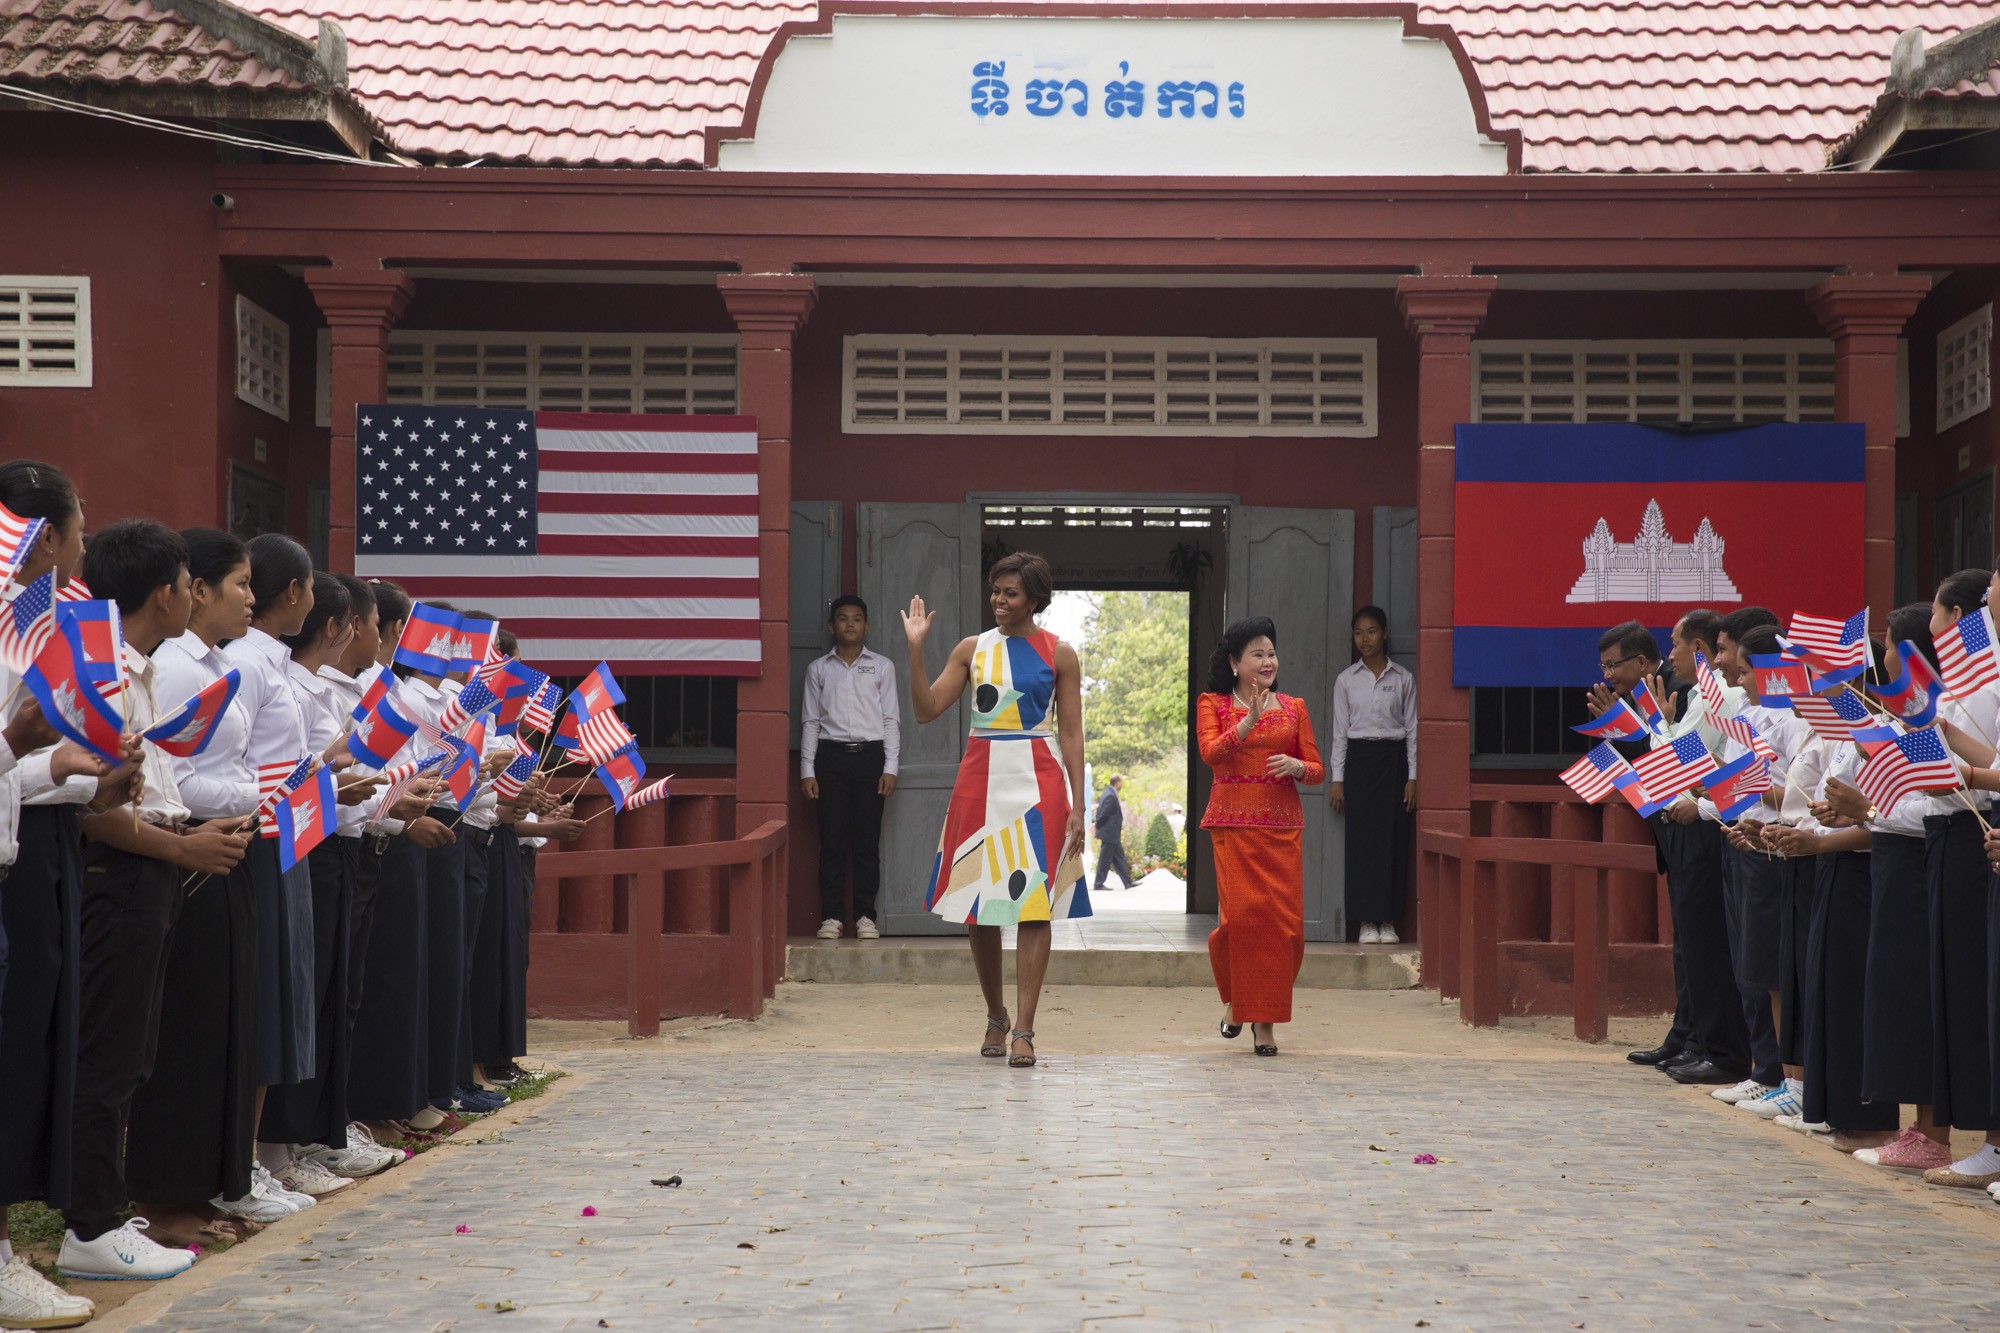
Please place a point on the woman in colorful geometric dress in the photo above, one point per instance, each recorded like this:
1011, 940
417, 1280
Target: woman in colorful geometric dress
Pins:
1260, 744
1012, 847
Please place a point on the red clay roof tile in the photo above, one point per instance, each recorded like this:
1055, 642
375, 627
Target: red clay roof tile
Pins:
125, 42
1649, 85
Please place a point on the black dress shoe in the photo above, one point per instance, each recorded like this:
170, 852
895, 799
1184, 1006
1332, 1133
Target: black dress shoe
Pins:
1686, 1057
1705, 1071
1659, 1055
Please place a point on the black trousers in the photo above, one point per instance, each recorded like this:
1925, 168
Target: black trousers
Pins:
1681, 1035
1749, 896
1695, 880
314, 1110
1378, 829
1110, 857
38, 1007
130, 905
850, 824
479, 907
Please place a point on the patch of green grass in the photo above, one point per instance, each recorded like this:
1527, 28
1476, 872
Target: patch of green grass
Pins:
534, 1085
34, 1224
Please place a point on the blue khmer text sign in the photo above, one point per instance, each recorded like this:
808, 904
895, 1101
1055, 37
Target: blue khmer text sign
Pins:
1123, 97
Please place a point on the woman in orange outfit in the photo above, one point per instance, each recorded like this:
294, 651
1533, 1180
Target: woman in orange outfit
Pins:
1260, 744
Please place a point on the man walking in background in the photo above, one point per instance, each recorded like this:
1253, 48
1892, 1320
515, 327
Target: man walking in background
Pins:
1110, 825
850, 733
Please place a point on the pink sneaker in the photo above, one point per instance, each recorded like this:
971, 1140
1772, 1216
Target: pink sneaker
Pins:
1911, 1152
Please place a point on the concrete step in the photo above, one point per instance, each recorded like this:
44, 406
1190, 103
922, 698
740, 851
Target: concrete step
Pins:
947, 962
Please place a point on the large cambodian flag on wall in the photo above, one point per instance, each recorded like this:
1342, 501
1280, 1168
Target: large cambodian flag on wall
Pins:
1564, 530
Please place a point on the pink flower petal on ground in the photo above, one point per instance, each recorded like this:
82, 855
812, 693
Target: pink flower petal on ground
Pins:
462, 1230
1423, 1159
194, 1250
589, 1211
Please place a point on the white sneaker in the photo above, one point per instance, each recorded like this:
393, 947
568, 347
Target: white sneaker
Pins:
1749, 1087
264, 1183
864, 929
1369, 934
1993, 1191
829, 929
1386, 934
123, 1253
29, 1300
361, 1157
303, 1175
256, 1205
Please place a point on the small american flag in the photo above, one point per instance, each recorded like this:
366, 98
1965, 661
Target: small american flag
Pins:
1671, 769
26, 623
1914, 762
603, 736
76, 590
1831, 647
1841, 716
1744, 732
1965, 654
17, 537
1595, 776
1709, 685
648, 794
515, 776
592, 536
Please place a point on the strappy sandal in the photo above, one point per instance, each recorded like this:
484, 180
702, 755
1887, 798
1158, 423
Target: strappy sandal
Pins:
1023, 1061
993, 1050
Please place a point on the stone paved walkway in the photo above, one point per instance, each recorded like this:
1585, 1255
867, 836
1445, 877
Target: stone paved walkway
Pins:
907, 1191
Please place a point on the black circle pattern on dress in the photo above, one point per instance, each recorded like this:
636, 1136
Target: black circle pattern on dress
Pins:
1017, 884
985, 698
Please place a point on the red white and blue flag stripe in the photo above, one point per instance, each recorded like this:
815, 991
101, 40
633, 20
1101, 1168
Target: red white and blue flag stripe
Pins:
1965, 654
1709, 686
1647, 707
17, 537
1841, 716
69, 689
1744, 732
621, 774
1670, 769
27, 623
373, 691
1914, 762
1780, 679
305, 818
632, 538
1620, 722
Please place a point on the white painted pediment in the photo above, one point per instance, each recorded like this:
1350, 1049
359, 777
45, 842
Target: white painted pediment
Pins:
1116, 96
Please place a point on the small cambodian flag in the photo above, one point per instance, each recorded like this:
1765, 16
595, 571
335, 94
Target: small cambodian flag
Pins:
473, 643
1671, 769
71, 698
274, 783
1780, 679
1646, 706
568, 733
509, 678
461, 774
186, 732
1617, 723
596, 692
375, 686
430, 639
306, 818
1739, 786
381, 734
1913, 695
622, 774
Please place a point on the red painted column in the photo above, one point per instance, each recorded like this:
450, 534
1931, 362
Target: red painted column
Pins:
1443, 312
769, 309
1864, 313
361, 305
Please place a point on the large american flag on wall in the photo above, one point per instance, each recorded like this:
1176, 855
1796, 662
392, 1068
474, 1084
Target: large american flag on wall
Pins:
592, 536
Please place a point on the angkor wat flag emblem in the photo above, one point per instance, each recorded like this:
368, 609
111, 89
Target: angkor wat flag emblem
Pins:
1563, 530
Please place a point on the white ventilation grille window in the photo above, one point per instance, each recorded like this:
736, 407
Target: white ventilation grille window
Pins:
263, 359
995, 385
676, 374
1965, 369
1653, 383
45, 332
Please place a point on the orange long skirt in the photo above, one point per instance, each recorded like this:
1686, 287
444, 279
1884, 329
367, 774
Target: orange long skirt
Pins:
1258, 947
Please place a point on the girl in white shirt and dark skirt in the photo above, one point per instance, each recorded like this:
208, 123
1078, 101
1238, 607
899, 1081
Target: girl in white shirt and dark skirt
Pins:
1371, 765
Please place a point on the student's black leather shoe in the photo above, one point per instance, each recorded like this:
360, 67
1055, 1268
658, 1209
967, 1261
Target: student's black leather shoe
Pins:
1705, 1071
1659, 1055
1686, 1057
1229, 1031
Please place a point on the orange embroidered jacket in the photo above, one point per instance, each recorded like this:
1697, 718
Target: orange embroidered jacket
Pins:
1244, 795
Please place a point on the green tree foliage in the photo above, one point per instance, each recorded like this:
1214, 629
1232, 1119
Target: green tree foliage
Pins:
1135, 670
1160, 838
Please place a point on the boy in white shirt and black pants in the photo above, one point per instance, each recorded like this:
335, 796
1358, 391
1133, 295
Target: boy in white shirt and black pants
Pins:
851, 722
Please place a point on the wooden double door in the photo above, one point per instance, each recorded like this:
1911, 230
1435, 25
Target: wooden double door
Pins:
1293, 565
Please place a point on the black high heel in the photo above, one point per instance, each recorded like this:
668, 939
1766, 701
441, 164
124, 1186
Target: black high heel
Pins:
1266, 1047
1230, 1031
